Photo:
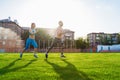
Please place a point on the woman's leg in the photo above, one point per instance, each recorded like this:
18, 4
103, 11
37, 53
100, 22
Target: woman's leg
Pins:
26, 47
34, 43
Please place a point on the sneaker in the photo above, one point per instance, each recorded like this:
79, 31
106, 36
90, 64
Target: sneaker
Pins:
35, 56
20, 55
62, 56
46, 55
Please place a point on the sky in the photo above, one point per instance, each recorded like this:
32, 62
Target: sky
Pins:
80, 16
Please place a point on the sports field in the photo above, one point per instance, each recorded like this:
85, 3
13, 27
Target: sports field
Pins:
76, 66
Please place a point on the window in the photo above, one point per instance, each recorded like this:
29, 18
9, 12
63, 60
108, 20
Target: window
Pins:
108, 37
3, 42
114, 41
97, 38
97, 34
6, 31
5, 37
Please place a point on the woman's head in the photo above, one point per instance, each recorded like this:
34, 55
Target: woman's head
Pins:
60, 23
33, 25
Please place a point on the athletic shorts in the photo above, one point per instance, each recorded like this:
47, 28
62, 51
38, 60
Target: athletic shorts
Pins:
29, 42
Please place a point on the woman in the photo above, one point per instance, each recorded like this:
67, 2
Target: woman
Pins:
31, 41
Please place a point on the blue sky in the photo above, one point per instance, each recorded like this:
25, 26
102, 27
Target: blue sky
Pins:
81, 16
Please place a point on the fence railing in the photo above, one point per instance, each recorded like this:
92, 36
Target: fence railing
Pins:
42, 46
43, 50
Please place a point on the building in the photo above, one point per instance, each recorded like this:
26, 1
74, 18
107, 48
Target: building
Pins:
102, 38
10, 36
8, 23
69, 38
69, 34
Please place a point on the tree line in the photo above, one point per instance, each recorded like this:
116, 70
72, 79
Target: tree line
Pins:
44, 40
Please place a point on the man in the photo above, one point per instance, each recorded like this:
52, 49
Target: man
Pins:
31, 41
58, 39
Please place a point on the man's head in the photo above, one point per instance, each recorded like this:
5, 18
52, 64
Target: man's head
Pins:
32, 25
60, 23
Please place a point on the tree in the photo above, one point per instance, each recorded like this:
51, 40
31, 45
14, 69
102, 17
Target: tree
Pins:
118, 38
106, 40
25, 35
82, 43
42, 38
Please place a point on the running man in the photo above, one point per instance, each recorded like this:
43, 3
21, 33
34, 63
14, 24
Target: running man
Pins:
58, 39
31, 41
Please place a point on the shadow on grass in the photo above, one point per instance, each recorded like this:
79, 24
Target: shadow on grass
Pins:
7, 69
69, 72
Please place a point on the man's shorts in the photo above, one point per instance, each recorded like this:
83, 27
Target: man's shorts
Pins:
29, 42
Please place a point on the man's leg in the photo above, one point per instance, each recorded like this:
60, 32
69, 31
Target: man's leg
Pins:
52, 45
61, 46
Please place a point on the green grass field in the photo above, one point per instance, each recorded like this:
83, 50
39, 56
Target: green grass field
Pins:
76, 66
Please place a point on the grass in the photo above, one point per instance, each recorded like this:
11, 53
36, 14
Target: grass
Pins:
76, 66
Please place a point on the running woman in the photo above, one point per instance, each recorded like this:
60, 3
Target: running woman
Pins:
31, 41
